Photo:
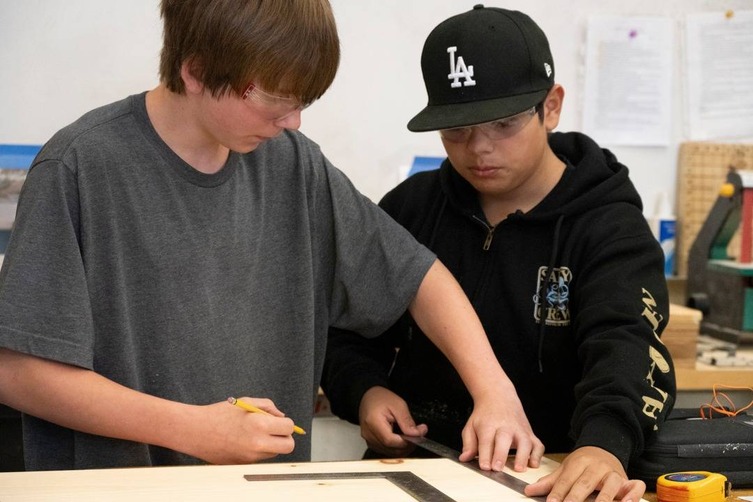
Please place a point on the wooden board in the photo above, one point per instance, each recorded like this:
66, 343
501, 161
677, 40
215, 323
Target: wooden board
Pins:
228, 483
703, 377
681, 334
681, 338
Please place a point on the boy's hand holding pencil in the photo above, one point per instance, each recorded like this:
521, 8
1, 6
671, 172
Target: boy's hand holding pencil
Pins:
253, 409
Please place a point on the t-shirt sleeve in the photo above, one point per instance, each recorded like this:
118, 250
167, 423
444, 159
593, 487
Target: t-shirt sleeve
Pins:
377, 265
44, 301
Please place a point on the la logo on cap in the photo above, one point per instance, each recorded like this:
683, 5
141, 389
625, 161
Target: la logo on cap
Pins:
459, 70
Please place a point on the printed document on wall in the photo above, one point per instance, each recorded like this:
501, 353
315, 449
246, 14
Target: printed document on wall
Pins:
719, 55
628, 80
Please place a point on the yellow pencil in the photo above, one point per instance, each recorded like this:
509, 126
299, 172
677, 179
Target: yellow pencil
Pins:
253, 409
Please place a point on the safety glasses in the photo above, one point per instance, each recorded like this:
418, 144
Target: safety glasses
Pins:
497, 129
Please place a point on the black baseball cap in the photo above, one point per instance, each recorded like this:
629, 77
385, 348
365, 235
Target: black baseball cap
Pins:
483, 65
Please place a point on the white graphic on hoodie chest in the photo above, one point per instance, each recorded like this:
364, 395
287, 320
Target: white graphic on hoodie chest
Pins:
552, 296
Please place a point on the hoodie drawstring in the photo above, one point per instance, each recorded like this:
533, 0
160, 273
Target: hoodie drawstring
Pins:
543, 288
433, 235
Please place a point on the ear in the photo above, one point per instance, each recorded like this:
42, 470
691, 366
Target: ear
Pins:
553, 107
188, 71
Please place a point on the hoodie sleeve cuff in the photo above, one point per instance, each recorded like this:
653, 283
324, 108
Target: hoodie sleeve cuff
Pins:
610, 434
348, 402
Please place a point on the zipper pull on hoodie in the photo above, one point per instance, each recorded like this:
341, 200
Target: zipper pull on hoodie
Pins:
489, 237
489, 232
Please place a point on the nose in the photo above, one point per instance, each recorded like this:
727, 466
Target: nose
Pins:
290, 121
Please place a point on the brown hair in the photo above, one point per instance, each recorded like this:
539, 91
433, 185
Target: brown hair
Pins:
288, 47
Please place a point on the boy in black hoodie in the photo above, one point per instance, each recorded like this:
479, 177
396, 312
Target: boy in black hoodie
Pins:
545, 233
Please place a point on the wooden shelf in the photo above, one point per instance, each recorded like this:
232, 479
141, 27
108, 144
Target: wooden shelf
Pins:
703, 377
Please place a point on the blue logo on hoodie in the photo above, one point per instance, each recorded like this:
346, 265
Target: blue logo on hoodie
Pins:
556, 293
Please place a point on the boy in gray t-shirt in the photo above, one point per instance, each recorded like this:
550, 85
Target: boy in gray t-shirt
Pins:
188, 244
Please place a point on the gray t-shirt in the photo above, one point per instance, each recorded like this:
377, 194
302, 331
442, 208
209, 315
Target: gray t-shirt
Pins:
189, 286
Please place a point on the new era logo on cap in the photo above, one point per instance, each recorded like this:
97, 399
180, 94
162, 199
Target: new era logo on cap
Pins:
499, 64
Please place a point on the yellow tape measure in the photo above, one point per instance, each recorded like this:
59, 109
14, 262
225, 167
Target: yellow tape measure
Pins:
692, 486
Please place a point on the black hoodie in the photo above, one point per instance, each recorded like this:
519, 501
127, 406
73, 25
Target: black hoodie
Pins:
595, 373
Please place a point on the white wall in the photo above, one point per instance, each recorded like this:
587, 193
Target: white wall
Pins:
60, 58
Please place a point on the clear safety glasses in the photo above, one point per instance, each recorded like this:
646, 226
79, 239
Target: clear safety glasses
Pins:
274, 106
497, 129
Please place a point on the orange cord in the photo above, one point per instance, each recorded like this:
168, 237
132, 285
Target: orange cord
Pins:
727, 407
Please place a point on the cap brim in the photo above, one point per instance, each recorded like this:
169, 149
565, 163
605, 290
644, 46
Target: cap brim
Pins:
435, 117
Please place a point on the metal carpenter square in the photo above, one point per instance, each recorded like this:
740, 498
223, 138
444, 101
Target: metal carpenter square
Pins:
405, 480
443, 451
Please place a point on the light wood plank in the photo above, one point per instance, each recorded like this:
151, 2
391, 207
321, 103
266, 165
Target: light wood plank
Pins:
217, 482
